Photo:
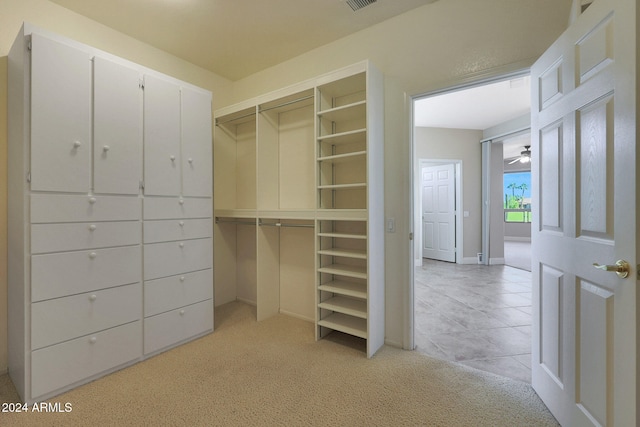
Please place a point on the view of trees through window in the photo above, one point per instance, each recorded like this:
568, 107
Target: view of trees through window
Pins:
517, 197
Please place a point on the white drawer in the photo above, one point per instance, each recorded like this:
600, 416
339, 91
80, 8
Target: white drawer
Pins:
70, 208
68, 273
177, 229
66, 363
168, 293
83, 235
62, 319
171, 258
177, 207
174, 326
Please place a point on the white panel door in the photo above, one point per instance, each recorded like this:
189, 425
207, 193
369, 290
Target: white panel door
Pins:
60, 117
584, 115
117, 128
196, 143
438, 213
161, 137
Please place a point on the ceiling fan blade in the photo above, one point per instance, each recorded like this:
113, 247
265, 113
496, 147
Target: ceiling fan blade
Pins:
517, 159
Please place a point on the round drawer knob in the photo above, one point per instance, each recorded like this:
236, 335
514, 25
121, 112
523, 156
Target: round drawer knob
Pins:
92, 227
181, 201
181, 312
181, 223
190, 160
92, 255
182, 278
92, 200
181, 244
173, 158
76, 144
106, 148
93, 297
93, 340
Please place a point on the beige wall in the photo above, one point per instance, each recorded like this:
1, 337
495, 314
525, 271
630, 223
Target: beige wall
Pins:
430, 48
464, 145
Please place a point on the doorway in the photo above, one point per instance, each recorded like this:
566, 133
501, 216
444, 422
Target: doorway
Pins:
466, 311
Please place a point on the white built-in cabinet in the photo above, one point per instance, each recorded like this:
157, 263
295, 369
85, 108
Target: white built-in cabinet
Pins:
110, 231
299, 203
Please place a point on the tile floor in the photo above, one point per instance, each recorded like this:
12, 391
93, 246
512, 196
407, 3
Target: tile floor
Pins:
476, 315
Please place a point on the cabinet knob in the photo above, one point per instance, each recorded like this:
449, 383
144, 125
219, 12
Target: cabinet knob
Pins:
93, 340
92, 227
93, 297
181, 244
181, 201
190, 160
173, 158
106, 148
76, 144
181, 312
182, 278
181, 223
92, 255
92, 200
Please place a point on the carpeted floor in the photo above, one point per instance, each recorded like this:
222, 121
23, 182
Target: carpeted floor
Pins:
274, 373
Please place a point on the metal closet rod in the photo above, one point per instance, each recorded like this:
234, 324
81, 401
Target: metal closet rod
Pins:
281, 224
234, 221
260, 110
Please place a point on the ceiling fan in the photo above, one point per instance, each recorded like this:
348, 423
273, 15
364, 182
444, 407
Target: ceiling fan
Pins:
525, 156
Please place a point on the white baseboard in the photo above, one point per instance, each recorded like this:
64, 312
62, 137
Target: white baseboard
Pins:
419, 262
517, 239
246, 301
297, 316
496, 261
469, 260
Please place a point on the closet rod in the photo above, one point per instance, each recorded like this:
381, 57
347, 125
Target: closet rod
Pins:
234, 221
218, 122
304, 98
280, 224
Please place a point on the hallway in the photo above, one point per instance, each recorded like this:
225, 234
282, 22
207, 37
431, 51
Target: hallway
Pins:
476, 315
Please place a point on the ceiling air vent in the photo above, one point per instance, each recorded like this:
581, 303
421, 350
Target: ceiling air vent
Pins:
359, 4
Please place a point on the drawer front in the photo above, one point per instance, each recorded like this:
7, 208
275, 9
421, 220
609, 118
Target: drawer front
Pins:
62, 319
83, 235
68, 273
66, 363
169, 293
69, 208
177, 207
171, 258
177, 229
174, 326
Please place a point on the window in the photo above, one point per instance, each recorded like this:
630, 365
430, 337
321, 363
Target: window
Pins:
517, 196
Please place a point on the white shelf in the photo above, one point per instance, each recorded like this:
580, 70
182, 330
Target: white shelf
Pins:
347, 305
345, 323
343, 186
343, 158
235, 213
345, 270
344, 236
350, 137
345, 113
341, 287
347, 253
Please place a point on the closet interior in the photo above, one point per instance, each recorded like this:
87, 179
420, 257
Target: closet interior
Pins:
298, 196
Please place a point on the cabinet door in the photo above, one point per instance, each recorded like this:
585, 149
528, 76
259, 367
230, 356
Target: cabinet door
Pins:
117, 129
196, 143
161, 137
60, 117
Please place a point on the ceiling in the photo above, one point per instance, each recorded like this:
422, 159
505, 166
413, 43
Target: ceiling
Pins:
237, 38
479, 108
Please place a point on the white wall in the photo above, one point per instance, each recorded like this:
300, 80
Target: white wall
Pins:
433, 47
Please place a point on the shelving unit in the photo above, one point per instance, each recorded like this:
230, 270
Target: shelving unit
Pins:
317, 248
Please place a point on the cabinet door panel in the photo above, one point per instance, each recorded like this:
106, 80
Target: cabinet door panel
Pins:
196, 143
161, 137
117, 128
60, 117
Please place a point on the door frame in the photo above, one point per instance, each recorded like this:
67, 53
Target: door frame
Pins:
479, 79
458, 197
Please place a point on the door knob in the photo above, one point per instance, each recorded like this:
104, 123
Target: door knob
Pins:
621, 268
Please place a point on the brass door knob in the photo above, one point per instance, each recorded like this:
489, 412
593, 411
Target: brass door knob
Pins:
621, 268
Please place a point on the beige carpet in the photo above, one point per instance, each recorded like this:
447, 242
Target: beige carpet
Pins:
274, 373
